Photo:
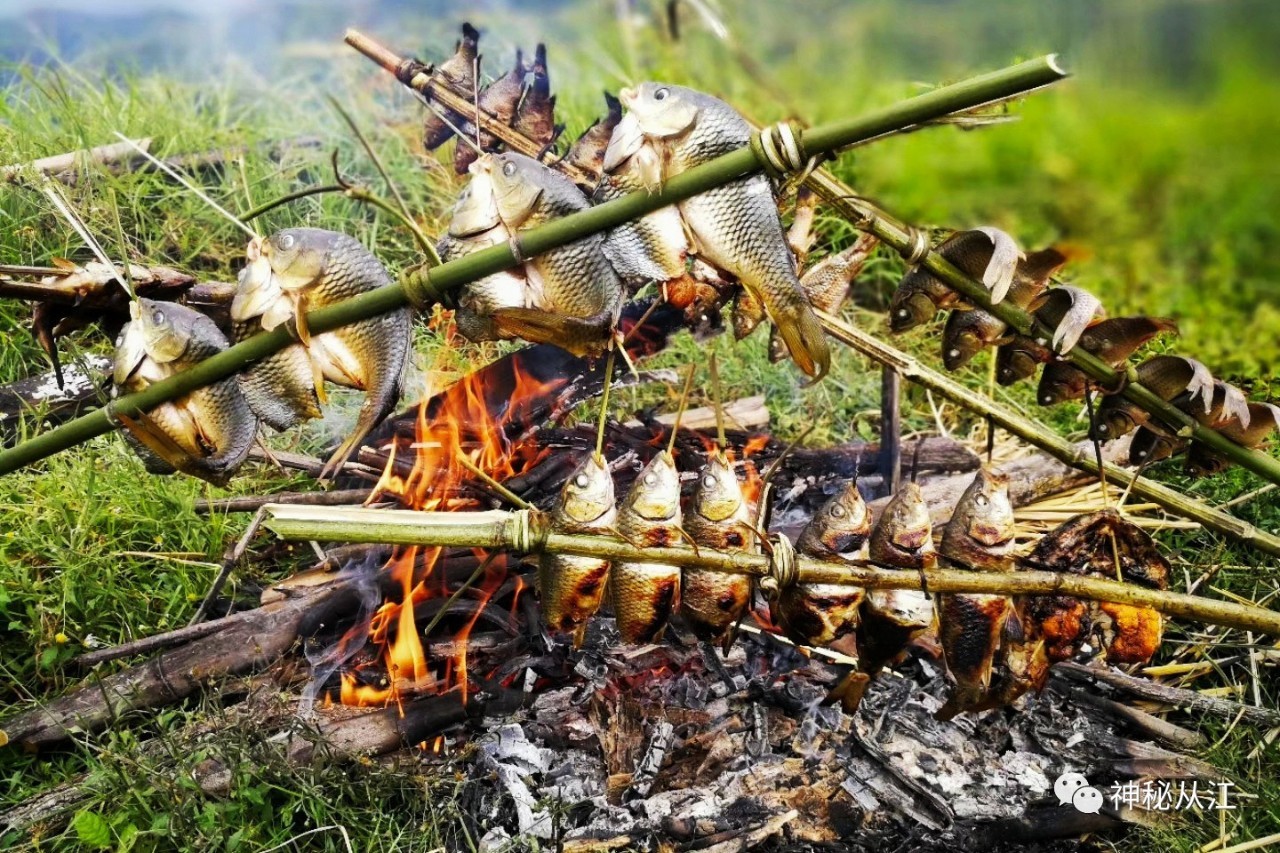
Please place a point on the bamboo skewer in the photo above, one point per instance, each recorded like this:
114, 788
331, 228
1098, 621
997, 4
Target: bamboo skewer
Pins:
1047, 440
902, 237
526, 532
422, 287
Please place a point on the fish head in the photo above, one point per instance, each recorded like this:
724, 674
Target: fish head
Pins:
910, 308
165, 329
718, 494
587, 495
298, 256
1114, 418
906, 524
130, 351
961, 339
1018, 359
476, 210
1058, 383
843, 523
661, 110
985, 509
655, 495
519, 183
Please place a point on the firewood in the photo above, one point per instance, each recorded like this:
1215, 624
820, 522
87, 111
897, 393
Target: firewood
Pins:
1188, 700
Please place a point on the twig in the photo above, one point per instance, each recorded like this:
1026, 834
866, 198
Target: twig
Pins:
1153, 691
252, 503
527, 532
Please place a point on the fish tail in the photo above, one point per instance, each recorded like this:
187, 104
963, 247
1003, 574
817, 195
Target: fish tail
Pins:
802, 332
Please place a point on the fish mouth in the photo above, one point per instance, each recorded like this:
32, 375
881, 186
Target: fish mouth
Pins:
990, 534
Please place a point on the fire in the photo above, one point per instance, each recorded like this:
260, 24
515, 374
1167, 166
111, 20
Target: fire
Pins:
467, 418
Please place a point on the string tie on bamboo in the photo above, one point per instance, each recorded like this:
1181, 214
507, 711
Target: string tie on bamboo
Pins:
528, 531
783, 568
780, 149
421, 291
917, 247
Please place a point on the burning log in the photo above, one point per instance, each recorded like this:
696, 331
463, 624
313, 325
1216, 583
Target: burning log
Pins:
55, 401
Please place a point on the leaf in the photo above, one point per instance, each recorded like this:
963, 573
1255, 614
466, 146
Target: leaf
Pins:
92, 830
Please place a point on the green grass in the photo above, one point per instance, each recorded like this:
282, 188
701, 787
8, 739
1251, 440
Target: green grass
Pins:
1167, 191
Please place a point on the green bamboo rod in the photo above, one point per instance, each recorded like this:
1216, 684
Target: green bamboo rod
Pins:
899, 235
424, 286
1047, 440
525, 532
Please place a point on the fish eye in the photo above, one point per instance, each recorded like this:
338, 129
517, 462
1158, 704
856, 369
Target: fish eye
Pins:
661, 94
650, 479
903, 312
157, 317
509, 168
1103, 428
954, 353
709, 481
286, 241
980, 500
582, 481
837, 511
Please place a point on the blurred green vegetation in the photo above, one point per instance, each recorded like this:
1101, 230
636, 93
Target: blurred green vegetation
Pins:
1155, 163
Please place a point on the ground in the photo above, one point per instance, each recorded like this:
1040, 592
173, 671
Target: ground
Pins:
1155, 165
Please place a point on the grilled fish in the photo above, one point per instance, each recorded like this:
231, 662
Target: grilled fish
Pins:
535, 117
978, 537
573, 587
1090, 545
645, 595
1249, 431
459, 71
736, 227
1167, 376
719, 517
587, 151
816, 614
1019, 358
969, 332
827, 283
1113, 341
299, 270
206, 433
892, 618
570, 296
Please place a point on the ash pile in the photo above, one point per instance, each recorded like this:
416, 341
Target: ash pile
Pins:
674, 746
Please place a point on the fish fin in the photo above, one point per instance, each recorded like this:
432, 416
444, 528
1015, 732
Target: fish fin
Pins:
577, 335
806, 340
150, 436
1040, 265
300, 318
317, 379
1005, 255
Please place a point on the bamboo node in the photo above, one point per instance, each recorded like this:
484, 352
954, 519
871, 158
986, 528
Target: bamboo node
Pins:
784, 571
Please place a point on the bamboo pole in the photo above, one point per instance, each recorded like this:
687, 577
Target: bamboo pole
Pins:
897, 234
421, 287
1047, 440
526, 532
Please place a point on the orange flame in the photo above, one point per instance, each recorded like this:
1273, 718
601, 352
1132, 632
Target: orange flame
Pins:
460, 420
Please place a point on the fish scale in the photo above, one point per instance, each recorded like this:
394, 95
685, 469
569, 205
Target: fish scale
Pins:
572, 587
720, 517
214, 424
645, 595
735, 227
368, 355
